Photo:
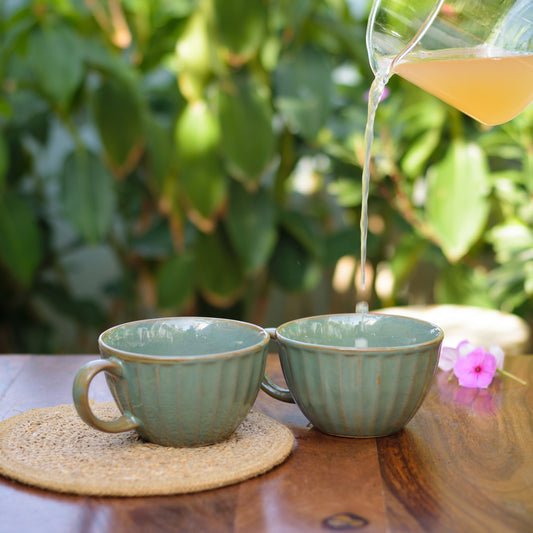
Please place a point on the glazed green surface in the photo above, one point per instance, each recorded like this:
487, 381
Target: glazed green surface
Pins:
186, 381
357, 391
184, 336
380, 331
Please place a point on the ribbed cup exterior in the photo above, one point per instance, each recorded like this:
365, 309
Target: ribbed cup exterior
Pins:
189, 402
358, 395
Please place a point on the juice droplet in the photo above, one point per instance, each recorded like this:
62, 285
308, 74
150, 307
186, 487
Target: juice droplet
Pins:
361, 307
361, 342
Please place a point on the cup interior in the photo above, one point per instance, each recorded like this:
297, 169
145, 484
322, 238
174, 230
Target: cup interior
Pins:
182, 337
373, 332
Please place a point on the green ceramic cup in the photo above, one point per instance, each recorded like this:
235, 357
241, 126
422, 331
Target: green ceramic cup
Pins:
356, 379
185, 381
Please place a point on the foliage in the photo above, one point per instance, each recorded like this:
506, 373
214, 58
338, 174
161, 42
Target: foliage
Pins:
176, 157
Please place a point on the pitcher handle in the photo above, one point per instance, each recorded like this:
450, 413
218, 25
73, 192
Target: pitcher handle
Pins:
268, 386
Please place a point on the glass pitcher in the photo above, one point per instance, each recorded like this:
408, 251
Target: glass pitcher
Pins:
476, 55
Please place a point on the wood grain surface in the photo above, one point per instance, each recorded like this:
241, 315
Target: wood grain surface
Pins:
464, 463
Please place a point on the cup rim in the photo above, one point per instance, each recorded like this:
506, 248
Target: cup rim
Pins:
106, 348
355, 350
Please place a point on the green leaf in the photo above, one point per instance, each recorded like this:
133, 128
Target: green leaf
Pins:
346, 241
218, 270
408, 253
67, 304
348, 192
117, 112
160, 152
175, 281
197, 132
511, 282
155, 242
201, 175
419, 151
510, 238
20, 245
245, 116
88, 195
458, 284
419, 111
4, 162
193, 49
204, 184
241, 25
171, 9
14, 37
292, 267
195, 55
251, 225
295, 13
304, 87
457, 203
304, 230
102, 59
54, 55
5, 108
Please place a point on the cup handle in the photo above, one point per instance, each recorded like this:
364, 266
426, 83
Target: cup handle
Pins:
268, 386
80, 393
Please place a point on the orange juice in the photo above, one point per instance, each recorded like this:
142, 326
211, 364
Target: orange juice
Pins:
492, 90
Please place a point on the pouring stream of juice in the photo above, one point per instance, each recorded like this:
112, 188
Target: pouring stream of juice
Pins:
374, 97
489, 84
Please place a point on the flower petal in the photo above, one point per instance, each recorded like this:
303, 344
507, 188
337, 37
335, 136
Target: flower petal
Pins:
464, 370
447, 358
464, 348
477, 357
484, 379
498, 353
476, 369
468, 379
490, 363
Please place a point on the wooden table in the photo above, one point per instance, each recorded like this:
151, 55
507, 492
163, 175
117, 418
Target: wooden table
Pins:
464, 463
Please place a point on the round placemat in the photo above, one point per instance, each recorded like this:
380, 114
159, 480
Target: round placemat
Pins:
52, 448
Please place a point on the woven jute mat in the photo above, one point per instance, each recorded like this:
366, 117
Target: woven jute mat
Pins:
52, 448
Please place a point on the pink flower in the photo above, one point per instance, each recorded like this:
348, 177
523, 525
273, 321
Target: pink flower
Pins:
474, 366
448, 356
480, 401
475, 369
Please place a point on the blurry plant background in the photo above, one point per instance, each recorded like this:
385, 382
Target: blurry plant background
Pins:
204, 157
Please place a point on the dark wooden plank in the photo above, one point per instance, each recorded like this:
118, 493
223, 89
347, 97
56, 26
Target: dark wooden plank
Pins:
465, 462
41, 381
27, 510
46, 380
325, 476
10, 366
327, 480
